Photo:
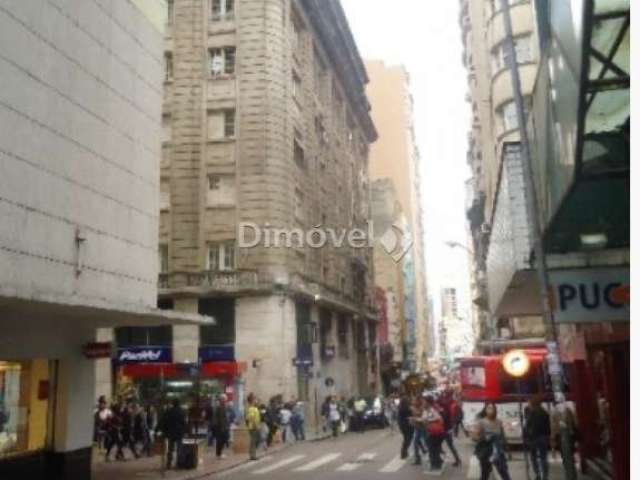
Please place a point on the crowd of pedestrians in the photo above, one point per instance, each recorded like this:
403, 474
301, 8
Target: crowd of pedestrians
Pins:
124, 426
428, 423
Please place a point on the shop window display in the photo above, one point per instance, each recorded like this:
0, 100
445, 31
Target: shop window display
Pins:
24, 393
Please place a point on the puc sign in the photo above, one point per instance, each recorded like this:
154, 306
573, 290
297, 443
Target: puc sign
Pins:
590, 295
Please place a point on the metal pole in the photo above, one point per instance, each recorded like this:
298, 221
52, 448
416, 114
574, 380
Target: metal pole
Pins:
532, 211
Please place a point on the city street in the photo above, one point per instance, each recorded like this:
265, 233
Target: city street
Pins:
373, 455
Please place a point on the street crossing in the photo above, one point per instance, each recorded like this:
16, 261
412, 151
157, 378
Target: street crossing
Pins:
302, 463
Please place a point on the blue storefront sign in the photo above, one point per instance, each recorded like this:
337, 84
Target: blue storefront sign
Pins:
216, 353
131, 355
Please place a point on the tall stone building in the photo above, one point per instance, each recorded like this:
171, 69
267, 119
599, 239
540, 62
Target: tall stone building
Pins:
395, 157
267, 128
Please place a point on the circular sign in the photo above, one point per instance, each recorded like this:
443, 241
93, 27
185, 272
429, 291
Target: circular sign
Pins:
516, 363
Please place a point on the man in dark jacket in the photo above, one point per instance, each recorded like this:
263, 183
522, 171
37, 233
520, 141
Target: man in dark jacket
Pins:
174, 426
444, 407
221, 424
404, 423
537, 433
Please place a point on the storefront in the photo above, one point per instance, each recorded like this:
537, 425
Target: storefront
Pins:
592, 308
24, 406
148, 375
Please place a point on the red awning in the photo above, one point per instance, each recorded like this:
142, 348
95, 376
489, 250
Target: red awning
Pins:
173, 370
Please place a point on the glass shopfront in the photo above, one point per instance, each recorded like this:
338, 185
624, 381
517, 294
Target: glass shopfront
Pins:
24, 406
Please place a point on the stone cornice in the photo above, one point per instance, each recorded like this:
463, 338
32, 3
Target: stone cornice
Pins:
329, 21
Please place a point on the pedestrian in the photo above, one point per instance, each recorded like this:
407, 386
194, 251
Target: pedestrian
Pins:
221, 425
113, 436
435, 429
140, 433
537, 434
284, 417
564, 434
359, 406
445, 409
208, 418
272, 420
419, 431
391, 412
488, 433
100, 418
297, 421
335, 419
127, 429
458, 418
174, 427
252, 420
405, 426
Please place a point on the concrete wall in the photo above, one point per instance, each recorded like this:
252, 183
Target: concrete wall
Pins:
266, 331
81, 89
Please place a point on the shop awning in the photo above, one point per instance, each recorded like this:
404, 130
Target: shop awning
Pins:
98, 313
175, 370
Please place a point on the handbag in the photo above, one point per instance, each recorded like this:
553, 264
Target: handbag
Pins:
436, 428
484, 450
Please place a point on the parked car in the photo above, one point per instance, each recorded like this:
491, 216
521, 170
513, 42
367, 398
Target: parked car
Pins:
374, 415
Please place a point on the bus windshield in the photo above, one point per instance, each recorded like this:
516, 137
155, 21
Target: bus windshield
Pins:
472, 376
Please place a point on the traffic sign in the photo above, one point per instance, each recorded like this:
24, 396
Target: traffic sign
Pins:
516, 363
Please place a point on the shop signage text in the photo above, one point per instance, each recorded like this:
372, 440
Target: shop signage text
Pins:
94, 350
144, 355
590, 295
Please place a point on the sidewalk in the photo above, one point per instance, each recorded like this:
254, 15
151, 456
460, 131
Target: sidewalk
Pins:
135, 469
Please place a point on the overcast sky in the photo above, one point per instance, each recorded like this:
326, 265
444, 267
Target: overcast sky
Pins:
425, 37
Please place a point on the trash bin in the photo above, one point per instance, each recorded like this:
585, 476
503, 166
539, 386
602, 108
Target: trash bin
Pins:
189, 454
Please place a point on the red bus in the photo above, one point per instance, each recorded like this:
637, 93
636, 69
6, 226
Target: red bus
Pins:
482, 379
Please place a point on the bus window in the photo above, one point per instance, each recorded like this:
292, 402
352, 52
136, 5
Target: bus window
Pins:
472, 377
527, 385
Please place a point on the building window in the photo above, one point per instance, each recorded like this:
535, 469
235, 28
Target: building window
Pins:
166, 128
296, 32
229, 123
221, 191
222, 9
221, 256
319, 73
321, 132
170, 10
299, 205
298, 153
221, 124
337, 100
343, 336
224, 331
524, 53
497, 4
509, 114
297, 87
144, 336
163, 254
165, 196
222, 61
168, 66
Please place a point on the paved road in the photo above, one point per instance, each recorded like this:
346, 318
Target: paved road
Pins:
374, 455
353, 456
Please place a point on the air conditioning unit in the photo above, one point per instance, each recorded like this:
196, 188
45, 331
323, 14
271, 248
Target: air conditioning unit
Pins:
485, 228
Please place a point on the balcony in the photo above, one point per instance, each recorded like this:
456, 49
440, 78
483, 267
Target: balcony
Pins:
210, 281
